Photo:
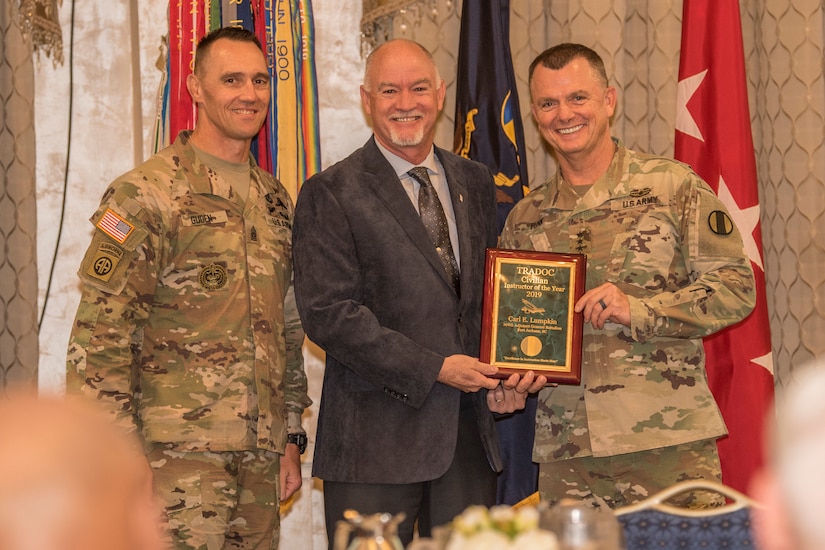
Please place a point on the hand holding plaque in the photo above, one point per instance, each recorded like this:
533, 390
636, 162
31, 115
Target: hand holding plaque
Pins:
528, 317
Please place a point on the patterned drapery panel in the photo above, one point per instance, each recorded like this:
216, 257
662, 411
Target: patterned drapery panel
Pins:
639, 41
18, 269
784, 50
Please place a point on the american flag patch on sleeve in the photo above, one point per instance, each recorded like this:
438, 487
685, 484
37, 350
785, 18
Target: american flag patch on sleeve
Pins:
115, 226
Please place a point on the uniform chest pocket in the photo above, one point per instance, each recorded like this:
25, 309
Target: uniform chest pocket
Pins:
206, 256
608, 242
646, 255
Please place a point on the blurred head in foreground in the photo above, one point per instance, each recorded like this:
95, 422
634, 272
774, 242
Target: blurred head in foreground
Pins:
791, 485
69, 480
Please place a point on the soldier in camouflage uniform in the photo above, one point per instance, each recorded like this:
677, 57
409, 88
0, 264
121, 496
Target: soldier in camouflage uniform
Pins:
187, 330
665, 267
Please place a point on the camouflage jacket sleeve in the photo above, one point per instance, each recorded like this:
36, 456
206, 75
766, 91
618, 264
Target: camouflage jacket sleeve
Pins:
119, 274
719, 290
295, 380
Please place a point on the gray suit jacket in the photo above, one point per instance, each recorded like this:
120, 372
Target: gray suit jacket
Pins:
372, 293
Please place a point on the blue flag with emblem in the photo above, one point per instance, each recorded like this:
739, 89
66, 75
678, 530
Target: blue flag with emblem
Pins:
488, 129
488, 125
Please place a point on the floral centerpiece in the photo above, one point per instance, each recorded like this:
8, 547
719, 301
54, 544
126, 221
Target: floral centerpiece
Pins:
500, 528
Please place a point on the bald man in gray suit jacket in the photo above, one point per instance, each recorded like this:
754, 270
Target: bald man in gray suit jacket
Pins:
406, 413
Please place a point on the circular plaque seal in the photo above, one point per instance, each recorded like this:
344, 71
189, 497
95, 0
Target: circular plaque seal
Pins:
213, 277
531, 346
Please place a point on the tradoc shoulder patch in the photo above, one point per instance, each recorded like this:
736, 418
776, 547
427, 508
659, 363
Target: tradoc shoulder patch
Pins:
720, 223
115, 226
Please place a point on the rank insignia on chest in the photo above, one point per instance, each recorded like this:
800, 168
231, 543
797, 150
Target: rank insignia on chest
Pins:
213, 277
580, 241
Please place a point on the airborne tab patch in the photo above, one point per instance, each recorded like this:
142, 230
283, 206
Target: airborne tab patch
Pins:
115, 226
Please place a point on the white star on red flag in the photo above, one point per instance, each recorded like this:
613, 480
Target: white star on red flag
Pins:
765, 361
714, 137
685, 122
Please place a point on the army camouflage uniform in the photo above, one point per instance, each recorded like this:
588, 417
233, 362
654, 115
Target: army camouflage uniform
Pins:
653, 228
187, 329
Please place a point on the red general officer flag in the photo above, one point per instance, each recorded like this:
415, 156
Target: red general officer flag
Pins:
714, 136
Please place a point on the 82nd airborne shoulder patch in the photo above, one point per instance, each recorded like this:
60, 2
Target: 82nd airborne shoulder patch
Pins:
105, 261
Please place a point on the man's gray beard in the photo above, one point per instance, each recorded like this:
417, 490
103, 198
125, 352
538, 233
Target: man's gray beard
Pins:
416, 139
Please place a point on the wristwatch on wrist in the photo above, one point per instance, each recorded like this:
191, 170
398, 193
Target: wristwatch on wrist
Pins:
298, 439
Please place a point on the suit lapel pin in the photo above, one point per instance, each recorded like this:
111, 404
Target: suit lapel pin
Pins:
460, 197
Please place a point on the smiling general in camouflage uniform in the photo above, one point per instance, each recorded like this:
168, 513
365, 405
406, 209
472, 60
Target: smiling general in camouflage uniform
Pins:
187, 330
665, 267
